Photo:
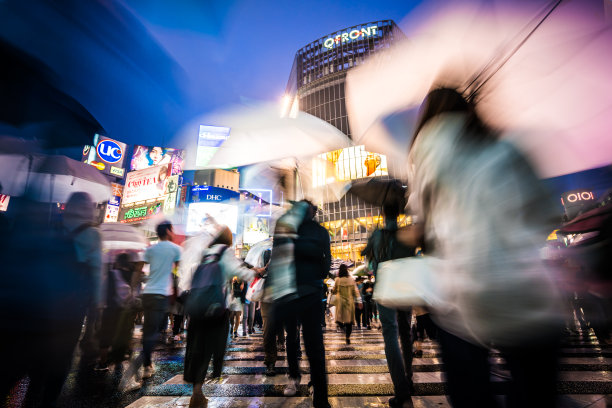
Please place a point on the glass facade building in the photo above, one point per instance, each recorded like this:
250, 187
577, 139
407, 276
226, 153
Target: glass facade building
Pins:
317, 86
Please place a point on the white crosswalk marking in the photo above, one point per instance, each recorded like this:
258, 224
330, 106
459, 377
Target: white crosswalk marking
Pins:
358, 376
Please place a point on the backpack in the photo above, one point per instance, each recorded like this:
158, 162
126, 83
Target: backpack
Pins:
207, 297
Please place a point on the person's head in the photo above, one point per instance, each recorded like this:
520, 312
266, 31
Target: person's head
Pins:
80, 209
155, 155
343, 271
449, 100
391, 210
123, 261
164, 231
312, 210
224, 236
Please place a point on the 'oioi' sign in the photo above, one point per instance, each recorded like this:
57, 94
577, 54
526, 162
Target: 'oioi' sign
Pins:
331, 42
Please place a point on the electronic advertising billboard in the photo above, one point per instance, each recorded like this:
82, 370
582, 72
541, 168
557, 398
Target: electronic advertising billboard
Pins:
151, 156
147, 193
107, 155
351, 163
210, 138
219, 203
255, 229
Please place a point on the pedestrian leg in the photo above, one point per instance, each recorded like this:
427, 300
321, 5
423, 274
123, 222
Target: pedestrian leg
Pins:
467, 370
315, 350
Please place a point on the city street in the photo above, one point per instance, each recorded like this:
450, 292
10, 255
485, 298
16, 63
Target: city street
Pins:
358, 377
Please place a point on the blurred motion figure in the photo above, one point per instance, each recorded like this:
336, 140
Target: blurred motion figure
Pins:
485, 214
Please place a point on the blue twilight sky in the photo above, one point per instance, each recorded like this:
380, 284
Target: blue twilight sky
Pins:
231, 51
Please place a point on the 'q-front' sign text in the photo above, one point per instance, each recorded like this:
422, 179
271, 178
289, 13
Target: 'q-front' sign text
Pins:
331, 42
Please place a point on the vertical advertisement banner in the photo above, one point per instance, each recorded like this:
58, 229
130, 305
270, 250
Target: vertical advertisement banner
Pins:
112, 207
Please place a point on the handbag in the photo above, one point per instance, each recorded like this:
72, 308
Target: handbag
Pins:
332, 299
412, 281
256, 290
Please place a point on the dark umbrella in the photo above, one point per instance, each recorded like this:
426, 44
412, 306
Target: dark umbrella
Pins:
28, 97
379, 192
105, 58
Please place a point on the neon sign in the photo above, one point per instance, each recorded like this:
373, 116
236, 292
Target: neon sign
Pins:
331, 42
583, 196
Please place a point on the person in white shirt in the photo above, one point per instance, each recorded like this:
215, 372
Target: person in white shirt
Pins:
162, 258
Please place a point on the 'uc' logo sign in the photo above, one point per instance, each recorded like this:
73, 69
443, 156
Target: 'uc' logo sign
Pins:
109, 151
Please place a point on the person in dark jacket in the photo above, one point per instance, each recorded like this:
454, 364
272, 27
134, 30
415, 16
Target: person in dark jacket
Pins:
383, 246
312, 257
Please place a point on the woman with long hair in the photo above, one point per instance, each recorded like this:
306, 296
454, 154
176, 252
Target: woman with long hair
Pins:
347, 295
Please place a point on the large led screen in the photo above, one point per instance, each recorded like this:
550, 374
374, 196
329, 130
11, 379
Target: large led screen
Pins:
150, 156
199, 213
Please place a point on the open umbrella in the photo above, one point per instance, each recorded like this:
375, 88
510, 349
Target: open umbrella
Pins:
262, 133
101, 55
539, 70
18, 158
378, 192
57, 177
31, 100
116, 235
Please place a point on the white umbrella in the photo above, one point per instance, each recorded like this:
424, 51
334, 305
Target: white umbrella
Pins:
262, 133
57, 177
303, 175
116, 235
541, 72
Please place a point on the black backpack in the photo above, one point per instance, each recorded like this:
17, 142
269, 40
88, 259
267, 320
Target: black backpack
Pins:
207, 297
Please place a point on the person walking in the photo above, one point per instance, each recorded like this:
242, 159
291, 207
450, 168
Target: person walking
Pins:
206, 338
301, 259
485, 215
236, 305
347, 295
162, 258
382, 246
273, 331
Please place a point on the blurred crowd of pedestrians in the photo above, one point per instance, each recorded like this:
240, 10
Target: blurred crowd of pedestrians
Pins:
477, 206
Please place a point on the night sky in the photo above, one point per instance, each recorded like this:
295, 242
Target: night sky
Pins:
232, 52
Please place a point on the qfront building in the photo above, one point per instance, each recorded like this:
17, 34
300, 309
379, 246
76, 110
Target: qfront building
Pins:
317, 86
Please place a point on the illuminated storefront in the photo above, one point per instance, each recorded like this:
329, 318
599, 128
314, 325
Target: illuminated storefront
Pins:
317, 86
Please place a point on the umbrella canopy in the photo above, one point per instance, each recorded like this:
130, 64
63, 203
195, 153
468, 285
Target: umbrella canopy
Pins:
102, 56
116, 235
360, 271
18, 157
57, 177
262, 133
379, 192
540, 72
30, 98
302, 174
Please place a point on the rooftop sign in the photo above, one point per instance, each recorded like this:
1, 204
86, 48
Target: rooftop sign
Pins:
352, 35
